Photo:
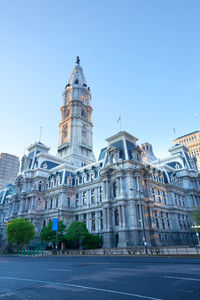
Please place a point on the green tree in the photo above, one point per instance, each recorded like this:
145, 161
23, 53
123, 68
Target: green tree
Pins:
78, 235
48, 235
20, 231
92, 242
196, 216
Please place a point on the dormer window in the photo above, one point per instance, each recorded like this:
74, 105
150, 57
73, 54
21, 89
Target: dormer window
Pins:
76, 81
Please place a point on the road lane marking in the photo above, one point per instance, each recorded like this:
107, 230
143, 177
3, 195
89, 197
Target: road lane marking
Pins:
183, 278
80, 286
63, 270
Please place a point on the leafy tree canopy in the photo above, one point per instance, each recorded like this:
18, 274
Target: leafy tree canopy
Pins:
196, 216
76, 231
20, 231
48, 235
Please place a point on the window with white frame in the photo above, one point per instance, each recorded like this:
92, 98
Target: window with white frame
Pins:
92, 196
84, 198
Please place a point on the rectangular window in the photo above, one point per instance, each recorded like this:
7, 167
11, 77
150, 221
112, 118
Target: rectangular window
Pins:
76, 201
101, 219
68, 201
153, 194
92, 196
100, 194
93, 221
51, 203
57, 202
165, 197
84, 218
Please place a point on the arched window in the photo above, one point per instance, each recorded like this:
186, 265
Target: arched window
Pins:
40, 186
116, 217
83, 114
65, 131
115, 189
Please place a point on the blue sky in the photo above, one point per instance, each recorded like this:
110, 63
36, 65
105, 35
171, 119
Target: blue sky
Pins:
141, 59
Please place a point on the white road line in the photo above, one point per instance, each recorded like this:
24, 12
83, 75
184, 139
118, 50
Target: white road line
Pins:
62, 270
183, 278
80, 286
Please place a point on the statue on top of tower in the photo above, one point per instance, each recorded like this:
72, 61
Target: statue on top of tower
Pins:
77, 60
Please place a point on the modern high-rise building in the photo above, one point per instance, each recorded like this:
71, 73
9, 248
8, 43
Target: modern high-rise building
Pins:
9, 167
192, 141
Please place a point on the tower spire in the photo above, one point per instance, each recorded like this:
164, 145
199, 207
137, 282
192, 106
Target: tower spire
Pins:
76, 134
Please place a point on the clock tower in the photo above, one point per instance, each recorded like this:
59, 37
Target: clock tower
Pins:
75, 128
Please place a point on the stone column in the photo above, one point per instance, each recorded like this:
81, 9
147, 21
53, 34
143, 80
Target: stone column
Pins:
118, 187
120, 215
137, 187
104, 219
123, 216
121, 187
87, 221
104, 189
131, 214
109, 218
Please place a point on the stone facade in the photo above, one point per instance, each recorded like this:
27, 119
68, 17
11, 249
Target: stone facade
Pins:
123, 197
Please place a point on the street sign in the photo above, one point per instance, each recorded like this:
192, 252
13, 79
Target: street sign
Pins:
55, 224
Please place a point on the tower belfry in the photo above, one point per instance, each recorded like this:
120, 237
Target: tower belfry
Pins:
75, 128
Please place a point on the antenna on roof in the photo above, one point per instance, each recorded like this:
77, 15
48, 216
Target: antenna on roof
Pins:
120, 122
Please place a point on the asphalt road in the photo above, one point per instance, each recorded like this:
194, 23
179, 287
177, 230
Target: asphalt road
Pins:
99, 278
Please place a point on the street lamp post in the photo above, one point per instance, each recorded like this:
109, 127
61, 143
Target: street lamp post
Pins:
142, 220
57, 232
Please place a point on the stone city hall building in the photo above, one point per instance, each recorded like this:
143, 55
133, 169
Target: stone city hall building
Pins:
127, 196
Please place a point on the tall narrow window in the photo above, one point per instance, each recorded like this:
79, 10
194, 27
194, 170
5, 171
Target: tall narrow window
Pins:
84, 218
101, 219
93, 221
92, 196
68, 201
115, 189
116, 217
40, 186
51, 203
76, 201
100, 194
